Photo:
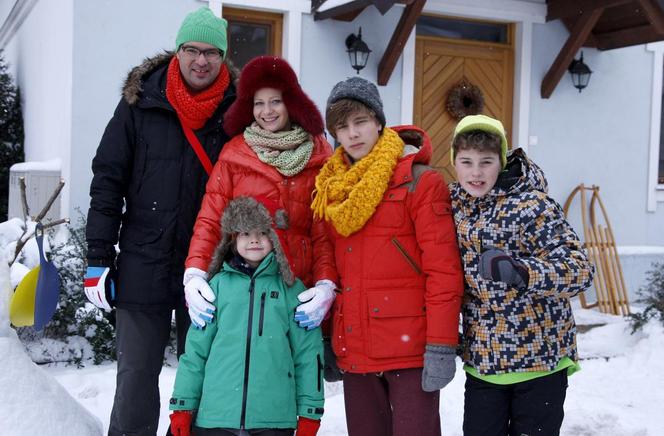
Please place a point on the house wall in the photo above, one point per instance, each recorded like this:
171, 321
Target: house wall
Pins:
40, 58
109, 39
325, 62
599, 136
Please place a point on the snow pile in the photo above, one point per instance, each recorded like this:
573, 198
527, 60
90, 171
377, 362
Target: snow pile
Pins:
34, 403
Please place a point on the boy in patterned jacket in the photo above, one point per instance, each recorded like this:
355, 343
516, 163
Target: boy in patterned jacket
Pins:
522, 262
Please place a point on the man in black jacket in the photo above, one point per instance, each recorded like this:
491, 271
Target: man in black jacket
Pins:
150, 172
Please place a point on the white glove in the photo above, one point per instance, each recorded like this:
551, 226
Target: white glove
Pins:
317, 302
199, 297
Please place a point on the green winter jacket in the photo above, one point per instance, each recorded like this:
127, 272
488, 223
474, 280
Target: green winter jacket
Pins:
252, 367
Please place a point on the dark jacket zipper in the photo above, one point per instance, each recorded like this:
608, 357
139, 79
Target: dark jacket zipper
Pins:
247, 354
320, 370
262, 316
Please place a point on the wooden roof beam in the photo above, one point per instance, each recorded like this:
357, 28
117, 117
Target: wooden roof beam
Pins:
570, 8
627, 37
341, 10
654, 13
395, 47
577, 37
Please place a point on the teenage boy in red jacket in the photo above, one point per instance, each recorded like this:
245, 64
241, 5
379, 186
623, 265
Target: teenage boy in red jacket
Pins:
395, 322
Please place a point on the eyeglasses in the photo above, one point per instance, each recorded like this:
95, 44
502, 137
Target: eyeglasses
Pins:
211, 55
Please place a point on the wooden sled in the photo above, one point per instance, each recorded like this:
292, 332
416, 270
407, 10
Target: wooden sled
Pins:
609, 284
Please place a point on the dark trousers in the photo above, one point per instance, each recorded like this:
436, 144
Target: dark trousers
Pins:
140, 339
529, 408
391, 403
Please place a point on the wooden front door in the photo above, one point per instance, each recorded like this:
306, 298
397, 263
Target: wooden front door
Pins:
442, 63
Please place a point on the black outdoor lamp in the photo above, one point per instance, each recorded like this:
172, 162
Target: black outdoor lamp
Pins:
358, 51
580, 73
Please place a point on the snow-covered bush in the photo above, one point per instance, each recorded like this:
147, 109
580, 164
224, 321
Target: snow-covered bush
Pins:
652, 295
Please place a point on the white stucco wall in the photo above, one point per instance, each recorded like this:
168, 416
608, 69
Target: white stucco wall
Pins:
600, 136
325, 61
110, 38
40, 55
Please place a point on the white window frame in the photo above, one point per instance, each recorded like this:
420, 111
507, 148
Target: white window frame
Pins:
655, 190
292, 11
523, 14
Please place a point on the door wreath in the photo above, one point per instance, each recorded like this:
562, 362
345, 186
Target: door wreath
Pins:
463, 99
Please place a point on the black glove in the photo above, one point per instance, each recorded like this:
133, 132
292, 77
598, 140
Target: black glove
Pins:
331, 371
498, 266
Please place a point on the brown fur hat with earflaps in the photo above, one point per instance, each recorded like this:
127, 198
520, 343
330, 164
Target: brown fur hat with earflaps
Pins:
244, 214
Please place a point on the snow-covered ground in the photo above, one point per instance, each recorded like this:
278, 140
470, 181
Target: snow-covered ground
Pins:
619, 392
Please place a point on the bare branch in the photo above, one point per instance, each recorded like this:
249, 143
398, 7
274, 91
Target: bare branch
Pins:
50, 201
24, 199
21, 242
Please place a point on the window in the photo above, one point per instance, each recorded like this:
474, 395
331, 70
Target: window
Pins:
429, 25
251, 34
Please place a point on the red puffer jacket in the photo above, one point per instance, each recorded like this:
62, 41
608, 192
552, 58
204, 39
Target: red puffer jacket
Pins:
401, 276
239, 172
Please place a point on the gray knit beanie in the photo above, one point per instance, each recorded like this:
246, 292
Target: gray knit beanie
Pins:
357, 88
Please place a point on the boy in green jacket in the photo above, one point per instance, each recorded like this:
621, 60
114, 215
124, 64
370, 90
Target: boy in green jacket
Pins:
252, 368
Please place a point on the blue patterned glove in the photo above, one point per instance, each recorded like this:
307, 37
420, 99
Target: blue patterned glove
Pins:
100, 286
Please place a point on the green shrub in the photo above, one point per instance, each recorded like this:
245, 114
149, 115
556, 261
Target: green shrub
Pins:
652, 295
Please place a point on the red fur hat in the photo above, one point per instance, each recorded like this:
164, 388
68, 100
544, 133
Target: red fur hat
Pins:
271, 72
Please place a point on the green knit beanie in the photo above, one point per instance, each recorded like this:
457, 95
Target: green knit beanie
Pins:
203, 26
486, 124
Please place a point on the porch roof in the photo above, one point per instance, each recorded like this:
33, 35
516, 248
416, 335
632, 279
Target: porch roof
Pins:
348, 10
601, 24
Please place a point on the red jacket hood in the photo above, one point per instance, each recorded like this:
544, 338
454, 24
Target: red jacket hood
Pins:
418, 138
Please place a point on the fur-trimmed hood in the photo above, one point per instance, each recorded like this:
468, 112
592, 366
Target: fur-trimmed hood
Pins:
133, 87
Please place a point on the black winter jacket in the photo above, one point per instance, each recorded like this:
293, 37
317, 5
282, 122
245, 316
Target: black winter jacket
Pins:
146, 190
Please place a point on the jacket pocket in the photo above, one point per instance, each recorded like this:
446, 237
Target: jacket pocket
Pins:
407, 257
338, 338
391, 211
397, 323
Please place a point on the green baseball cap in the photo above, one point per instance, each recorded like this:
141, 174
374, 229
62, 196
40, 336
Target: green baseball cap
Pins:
485, 124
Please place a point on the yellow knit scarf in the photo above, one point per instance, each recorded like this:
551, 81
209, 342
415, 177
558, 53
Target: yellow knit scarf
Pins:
348, 196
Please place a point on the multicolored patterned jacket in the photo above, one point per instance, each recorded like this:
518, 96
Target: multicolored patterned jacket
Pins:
505, 329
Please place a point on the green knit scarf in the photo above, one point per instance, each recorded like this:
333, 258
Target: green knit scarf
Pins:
288, 151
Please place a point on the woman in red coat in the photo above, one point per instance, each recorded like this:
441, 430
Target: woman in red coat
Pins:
276, 152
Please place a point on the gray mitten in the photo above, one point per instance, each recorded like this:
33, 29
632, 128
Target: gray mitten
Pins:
439, 367
498, 266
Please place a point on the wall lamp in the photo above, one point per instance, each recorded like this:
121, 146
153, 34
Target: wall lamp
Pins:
580, 73
358, 51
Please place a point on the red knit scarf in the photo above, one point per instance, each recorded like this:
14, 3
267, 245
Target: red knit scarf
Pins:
194, 108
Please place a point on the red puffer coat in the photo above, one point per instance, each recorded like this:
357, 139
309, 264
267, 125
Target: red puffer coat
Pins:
239, 172
401, 276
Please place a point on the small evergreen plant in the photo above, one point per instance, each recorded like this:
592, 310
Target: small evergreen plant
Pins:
652, 295
11, 132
